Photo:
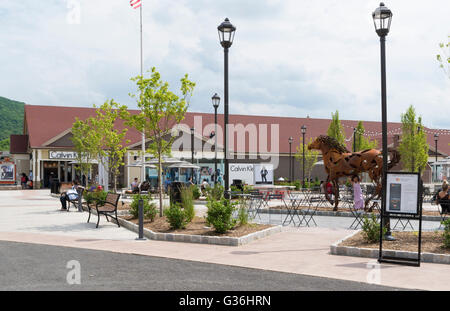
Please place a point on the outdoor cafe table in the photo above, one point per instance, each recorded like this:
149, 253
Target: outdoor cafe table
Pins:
293, 209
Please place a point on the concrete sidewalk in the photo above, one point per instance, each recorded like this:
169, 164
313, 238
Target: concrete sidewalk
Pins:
31, 217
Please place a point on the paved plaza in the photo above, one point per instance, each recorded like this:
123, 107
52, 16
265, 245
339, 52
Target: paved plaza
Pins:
33, 217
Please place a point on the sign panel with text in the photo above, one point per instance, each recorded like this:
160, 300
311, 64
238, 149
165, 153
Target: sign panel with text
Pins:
402, 193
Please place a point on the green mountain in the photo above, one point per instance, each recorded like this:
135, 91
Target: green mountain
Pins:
11, 120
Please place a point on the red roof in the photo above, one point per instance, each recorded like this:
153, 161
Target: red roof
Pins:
46, 122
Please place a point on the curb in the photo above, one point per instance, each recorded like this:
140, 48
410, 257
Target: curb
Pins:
335, 249
202, 239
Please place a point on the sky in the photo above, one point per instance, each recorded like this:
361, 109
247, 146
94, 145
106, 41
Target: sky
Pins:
289, 58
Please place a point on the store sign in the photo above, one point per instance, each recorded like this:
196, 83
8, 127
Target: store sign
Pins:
402, 193
243, 172
64, 155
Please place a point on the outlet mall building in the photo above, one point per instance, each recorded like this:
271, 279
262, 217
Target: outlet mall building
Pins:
256, 143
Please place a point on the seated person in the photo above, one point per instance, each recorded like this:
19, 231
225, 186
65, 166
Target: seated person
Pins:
443, 198
71, 194
134, 187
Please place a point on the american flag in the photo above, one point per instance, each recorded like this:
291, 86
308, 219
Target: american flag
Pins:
135, 3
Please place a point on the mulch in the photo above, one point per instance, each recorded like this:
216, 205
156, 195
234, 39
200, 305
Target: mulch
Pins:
432, 242
198, 226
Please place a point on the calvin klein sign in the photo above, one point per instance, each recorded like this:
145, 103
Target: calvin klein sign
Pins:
63, 155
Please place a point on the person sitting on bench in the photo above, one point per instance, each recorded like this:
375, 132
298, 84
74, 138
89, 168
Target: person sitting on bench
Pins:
443, 198
71, 194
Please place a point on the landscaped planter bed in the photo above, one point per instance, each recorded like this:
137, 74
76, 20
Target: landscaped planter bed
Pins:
197, 232
405, 246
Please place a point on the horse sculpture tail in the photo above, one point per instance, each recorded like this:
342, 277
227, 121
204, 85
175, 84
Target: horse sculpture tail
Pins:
395, 158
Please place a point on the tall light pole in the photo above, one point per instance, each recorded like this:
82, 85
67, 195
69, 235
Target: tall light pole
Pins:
192, 145
303, 142
354, 139
382, 17
226, 36
290, 158
436, 138
216, 102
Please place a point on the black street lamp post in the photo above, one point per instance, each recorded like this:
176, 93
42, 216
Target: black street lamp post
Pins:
436, 138
290, 158
216, 102
382, 17
303, 149
192, 145
226, 36
354, 139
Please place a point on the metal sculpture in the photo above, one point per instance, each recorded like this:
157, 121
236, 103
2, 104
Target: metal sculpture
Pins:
339, 162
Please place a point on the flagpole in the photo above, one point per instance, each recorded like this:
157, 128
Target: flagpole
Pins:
143, 131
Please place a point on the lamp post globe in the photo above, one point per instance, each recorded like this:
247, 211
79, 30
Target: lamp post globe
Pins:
216, 102
382, 18
226, 32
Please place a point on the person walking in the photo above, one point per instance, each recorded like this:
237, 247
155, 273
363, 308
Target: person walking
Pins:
357, 193
23, 181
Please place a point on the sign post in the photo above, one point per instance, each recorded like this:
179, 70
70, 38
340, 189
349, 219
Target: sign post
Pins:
403, 201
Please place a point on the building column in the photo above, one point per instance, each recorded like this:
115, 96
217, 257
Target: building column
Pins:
66, 170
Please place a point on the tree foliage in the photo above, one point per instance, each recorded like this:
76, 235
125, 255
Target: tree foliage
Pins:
336, 130
444, 57
86, 141
112, 143
161, 109
311, 157
413, 146
360, 142
11, 120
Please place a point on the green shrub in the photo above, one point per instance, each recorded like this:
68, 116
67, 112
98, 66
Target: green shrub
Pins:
93, 197
248, 188
176, 217
446, 233
371, 229
220, 215
196, 192
187, 202
215, 193
150, 210
242, 216
297, 185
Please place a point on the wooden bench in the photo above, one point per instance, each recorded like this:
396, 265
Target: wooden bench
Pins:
107, 208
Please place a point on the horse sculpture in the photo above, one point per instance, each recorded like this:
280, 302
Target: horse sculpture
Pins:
339, 162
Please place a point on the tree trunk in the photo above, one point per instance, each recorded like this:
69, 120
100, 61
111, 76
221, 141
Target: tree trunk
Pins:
160, 186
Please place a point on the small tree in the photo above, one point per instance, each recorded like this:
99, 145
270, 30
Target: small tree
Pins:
311, 157
336, 130
161, 110
86, 143
361, 142
413, 146
112, 140
444, 57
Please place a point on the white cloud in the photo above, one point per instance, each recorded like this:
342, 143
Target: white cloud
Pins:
290, 57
